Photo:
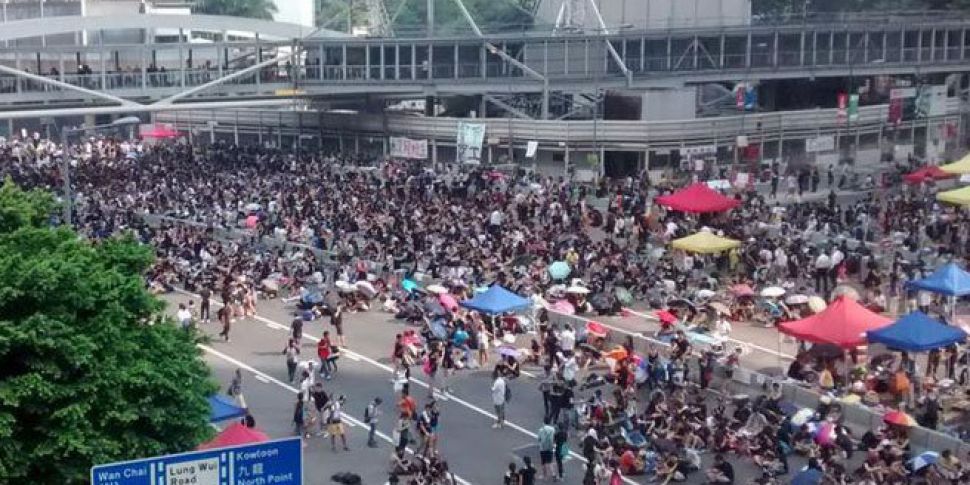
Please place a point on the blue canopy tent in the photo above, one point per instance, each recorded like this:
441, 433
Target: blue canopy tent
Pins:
949, 280
916, 332
223, 408
497, 300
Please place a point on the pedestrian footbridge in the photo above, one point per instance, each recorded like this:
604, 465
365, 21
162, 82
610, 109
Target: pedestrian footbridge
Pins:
164, 59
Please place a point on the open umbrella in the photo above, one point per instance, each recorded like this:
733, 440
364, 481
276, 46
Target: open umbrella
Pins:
845, 290
559, 270
366, 288
563, 306
618, 353
772, 292
802, 416
816, 304
438, 328
409, 285
508, 351
345, 287
448, 301
623, 295
597, 329
251, 221
899, 418
720, 307
825, 434
577, 290
742, 290
681, 303
332, 299
705, 293
436, 289
666, 317
601, 302
924, 460
253, 207
796, 299
808, 476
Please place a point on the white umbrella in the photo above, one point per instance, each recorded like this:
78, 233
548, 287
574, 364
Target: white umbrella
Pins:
366, 288
252, 207
802, 416
772, 292
846, 291
345, 287
816, 304
705, 293
579, 290
436, 289
797, 299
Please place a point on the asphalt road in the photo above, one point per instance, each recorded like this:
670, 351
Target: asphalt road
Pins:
475, 452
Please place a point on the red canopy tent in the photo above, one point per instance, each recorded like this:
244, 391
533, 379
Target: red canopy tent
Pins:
929, 172
697, 198
844, 323
159, 132
234, 435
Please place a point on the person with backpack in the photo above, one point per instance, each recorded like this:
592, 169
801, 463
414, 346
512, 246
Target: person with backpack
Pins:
371, 414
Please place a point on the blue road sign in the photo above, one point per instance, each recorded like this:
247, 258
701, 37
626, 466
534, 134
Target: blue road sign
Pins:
269, 463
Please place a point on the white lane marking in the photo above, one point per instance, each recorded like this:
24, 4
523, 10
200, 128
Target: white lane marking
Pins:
350, 420
736, 341
387, 368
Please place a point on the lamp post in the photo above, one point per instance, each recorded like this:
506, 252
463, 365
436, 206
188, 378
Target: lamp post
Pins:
66, 164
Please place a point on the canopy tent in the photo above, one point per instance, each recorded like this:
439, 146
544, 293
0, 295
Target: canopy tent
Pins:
222, 408
159, 132
705, 242
950, 280
234, 435
929, 172
917, 332
698, 198
844, 323
958, 167
497, 300
956, 196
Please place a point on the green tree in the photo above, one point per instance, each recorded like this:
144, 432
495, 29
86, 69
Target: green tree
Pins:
85, 377
490, 15
332, 14
257, 9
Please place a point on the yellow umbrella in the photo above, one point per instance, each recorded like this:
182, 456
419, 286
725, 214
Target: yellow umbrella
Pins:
956, 197
705, 242
959, 167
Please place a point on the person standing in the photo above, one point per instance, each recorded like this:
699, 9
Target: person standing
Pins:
562, 449
296, 329
292, 353
547, 446
335, 425
224, 316
206, 295
337, 320
184, 317
371, 415
325, 353
499, 398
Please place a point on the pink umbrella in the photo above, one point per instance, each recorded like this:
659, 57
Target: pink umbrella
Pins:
563, 306
596, 328
825, 435
251, 221
448, 302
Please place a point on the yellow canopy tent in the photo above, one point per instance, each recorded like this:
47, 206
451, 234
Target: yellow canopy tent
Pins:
705, 242
957, 196
958, 167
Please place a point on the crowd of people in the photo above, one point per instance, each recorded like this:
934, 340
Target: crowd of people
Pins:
247, 223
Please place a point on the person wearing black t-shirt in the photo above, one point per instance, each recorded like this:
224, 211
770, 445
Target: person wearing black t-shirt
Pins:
527, 474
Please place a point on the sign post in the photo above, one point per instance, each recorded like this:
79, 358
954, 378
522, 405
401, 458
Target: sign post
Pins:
272, 462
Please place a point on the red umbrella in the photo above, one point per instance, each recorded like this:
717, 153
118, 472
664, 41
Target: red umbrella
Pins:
899, 418
251, 221
929, 172
666, 317
742, 290
448, 302
597, 329
234, 435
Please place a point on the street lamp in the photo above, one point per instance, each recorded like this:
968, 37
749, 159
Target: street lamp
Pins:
66, 164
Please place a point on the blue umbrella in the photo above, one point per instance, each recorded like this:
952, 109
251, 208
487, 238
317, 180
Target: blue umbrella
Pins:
924, 460
808, 476
559, 270
222, 408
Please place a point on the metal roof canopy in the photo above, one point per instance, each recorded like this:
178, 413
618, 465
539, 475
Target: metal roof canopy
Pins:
20, 29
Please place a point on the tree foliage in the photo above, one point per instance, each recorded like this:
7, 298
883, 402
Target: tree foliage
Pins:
257, 9
799, 7
411, 15
84, 379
